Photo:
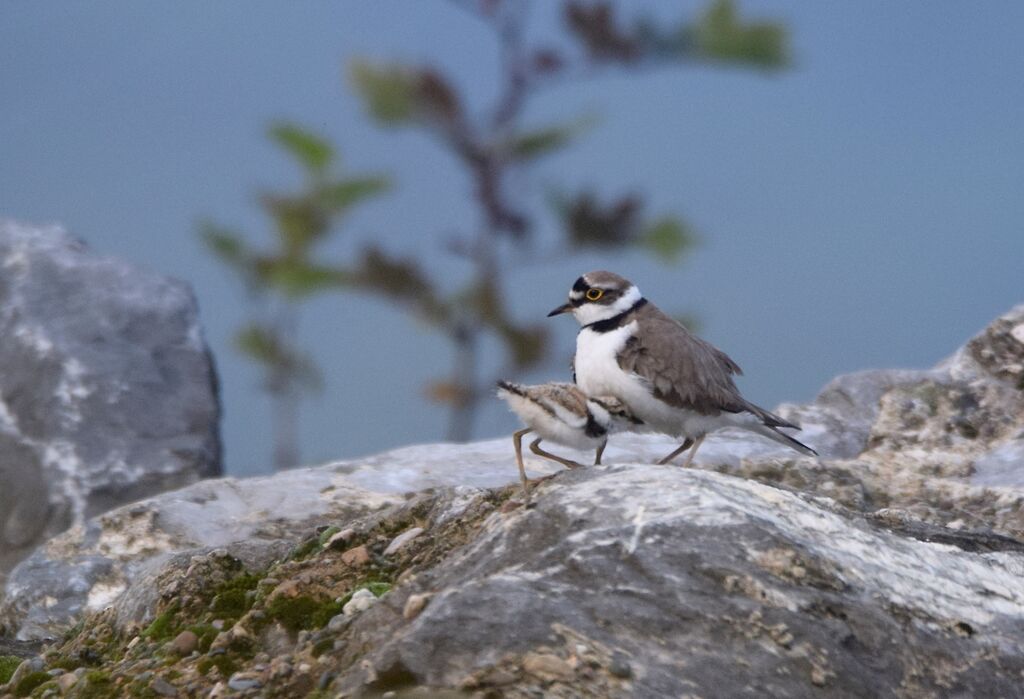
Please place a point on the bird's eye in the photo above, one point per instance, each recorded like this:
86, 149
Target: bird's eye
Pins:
594, 294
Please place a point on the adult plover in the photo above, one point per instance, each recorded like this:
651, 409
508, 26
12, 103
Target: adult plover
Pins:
563, 414
666, 376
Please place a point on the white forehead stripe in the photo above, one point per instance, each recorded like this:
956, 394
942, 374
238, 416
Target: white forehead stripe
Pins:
575, 294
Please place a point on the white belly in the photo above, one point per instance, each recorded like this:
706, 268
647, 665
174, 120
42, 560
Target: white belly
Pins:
598, 373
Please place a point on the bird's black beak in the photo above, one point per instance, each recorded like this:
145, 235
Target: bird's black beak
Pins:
564, 308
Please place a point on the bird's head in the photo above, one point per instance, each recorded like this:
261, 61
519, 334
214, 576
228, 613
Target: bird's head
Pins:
598, 296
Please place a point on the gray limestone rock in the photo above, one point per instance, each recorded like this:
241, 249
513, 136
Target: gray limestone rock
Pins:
701, 585
107, 393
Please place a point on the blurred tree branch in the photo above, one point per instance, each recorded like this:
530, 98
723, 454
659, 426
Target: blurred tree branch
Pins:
495, 148
281, 278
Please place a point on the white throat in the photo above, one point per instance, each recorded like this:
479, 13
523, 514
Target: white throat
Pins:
593, 312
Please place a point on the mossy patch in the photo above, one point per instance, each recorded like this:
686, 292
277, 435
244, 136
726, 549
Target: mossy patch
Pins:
205, 633
326, 535
8, 664
163, 627
306, 549
96, 685
224, 664
29, 682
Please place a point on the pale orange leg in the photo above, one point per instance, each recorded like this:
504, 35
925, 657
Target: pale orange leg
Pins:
517, 442
568, 463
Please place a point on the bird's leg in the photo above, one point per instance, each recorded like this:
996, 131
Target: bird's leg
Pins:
517, 442
683, 447
535, 448
693, 452
600, 451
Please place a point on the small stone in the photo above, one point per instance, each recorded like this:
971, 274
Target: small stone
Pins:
337, 623
163, 688
241, 682
620, 667
55, 672
134, 642
144, 677
547, 666
66, 682
339, 538
402, 539
361, 601
184, 643
415, 604
217, 624
356, 557
325, 681
219, 690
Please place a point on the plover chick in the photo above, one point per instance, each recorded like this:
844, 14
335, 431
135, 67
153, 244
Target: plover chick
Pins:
666, 376
563, 414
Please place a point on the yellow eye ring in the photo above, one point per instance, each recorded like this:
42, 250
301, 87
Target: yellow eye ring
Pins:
594, 294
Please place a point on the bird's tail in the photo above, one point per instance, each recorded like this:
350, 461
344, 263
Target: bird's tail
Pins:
506, 387
772, 432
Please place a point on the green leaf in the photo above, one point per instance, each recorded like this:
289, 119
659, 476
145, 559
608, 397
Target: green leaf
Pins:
668, 237
313, 151
298, 279
283, 362
533, 144
721, 35
339, 196
389, 91
224, 243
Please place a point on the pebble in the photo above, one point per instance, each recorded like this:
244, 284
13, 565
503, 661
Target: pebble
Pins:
360, 602
217, 624
620, 667
241, 682
184, 643
415, 604
134, 642
337, 623
547, 666
163, 687
55, 672
325, 681
402, 539
356, 557
66, 682
339, 538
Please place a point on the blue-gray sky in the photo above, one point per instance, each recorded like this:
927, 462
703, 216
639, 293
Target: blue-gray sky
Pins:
862, 209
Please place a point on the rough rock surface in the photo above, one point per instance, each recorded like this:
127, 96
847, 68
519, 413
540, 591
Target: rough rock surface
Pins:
107, 392
893, 566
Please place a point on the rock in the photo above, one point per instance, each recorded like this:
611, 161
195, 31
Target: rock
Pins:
184, 643
356, 557
360, 602
241, 682
547, 667
163, 687
762, 591
414, 605
66, 682
402, 539
87, 344
891, 565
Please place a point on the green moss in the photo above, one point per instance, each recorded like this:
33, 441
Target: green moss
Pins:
322, 646
306, 549
164, 626
45, 687
29, 682
235, 597
326, 535
293, 613
66, 664
224, 663
96, 685
378, 588
8, 664
206, 634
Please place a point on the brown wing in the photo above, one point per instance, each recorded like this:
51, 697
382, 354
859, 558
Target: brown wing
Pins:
682, 369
